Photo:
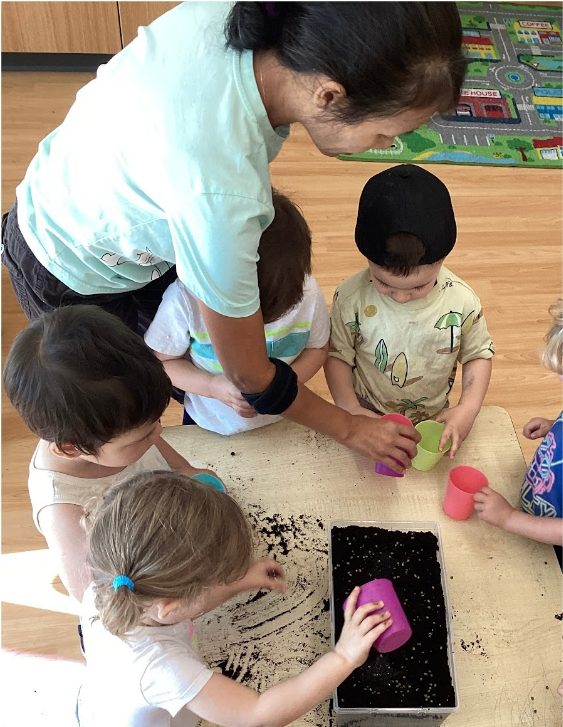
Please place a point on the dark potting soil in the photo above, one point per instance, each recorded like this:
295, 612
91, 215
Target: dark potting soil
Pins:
417, 674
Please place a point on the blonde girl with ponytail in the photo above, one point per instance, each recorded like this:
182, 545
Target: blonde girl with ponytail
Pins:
165, 549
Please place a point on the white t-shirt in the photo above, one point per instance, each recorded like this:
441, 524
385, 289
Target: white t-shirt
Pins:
162, 159
178, 329
145, 681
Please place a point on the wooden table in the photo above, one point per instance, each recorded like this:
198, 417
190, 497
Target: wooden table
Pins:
505, 590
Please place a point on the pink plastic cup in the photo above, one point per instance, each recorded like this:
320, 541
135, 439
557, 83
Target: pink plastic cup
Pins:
381, 589
463, 483
382, 469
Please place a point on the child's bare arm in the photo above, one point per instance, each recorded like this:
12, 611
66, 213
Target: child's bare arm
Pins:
459, 419
492, 507
309, 361
61, 524
176, 461
227, 703
340, 380
186, 376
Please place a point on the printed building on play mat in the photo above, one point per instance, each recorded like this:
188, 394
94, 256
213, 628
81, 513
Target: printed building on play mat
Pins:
478, 104
549, 148
479, 47
548, 103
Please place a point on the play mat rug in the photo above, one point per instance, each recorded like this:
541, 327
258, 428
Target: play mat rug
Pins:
510, 111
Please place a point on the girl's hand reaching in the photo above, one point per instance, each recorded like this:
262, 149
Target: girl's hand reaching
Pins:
537, 428
492, 507
266, 574
360, 629
458, 420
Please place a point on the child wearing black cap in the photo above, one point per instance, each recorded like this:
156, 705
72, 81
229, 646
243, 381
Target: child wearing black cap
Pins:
400, 327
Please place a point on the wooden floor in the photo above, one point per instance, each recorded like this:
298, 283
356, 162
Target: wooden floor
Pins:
509, 250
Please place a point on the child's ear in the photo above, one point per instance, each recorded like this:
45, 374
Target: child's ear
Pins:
66, 450
167, 606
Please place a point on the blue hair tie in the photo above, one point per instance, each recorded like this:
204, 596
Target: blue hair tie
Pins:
119, 581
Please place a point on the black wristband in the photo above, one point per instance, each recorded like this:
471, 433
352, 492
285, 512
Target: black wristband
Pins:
281, 393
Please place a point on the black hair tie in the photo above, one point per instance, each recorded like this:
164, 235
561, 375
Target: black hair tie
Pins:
279, 395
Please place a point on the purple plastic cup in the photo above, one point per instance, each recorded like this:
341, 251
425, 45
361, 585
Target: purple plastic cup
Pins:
382, 469
400, 631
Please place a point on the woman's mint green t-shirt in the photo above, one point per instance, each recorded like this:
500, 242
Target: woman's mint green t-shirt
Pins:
162, 160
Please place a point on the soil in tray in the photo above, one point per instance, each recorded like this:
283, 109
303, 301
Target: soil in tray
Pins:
416, 675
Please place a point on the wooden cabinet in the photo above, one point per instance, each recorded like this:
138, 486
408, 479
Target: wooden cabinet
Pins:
60, 27
74, 27
134, 14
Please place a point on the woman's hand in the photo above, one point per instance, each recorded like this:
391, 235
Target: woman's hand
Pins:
491, 507
383, 440
360, 629
223, 390
537, 428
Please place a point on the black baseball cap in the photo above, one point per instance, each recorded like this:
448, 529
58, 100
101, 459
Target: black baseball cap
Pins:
405, 198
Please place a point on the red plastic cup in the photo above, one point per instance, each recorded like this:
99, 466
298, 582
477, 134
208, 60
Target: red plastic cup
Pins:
463, 483
400, 631
382, 469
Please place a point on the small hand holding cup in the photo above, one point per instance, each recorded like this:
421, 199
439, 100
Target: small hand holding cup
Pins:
491, 507
428, 449
362, 627
463, 484
458, 421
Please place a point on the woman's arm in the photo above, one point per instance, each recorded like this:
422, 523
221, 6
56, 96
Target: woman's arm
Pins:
61, 525
240, 346
309, 361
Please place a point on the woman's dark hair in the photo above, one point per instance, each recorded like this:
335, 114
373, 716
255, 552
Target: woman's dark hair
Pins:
285, 259
80, 376
388, 56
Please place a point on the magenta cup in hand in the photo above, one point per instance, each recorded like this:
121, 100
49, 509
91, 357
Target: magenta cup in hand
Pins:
382, 469
463, 483
381, 589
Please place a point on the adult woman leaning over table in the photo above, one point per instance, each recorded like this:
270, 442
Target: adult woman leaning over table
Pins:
161, 169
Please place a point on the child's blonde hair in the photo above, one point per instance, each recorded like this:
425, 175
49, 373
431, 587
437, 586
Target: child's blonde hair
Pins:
172, 536
552, 356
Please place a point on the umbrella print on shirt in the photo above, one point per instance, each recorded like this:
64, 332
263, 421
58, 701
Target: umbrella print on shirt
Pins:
449, 320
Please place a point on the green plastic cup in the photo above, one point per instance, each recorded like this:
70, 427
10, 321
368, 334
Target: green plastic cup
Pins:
427, 449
